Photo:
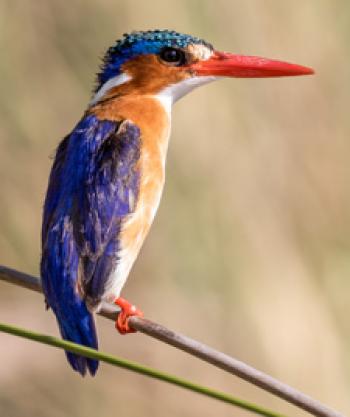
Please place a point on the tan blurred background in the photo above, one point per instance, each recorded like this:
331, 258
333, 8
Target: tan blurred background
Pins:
250, 251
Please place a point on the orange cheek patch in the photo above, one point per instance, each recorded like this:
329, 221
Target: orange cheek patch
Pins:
150, 75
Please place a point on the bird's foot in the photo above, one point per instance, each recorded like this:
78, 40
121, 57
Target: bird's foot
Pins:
126, 310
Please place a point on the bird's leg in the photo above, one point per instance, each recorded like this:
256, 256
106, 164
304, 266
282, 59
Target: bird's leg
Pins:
126, 310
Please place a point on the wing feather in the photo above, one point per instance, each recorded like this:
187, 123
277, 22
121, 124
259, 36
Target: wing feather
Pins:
93, 186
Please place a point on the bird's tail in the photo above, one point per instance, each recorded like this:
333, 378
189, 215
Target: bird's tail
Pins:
59, 270
78, 326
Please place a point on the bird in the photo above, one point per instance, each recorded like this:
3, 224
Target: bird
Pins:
108, 173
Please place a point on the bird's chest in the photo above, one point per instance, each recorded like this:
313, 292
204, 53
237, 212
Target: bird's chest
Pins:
154, 124
152, 176
136, 225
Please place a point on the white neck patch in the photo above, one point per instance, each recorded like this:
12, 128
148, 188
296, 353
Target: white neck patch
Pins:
171, 94
113, 82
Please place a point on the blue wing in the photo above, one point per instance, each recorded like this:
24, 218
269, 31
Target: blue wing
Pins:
93, 185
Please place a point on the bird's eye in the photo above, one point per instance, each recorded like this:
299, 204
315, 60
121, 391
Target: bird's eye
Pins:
173, 56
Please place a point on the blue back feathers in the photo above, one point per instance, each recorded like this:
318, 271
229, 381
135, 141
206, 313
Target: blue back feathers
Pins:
93, 185
138, 43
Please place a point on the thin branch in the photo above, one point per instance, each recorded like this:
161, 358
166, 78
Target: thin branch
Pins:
135, 367
198, 350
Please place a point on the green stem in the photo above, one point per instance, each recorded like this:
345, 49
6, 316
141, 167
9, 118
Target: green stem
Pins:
135, 367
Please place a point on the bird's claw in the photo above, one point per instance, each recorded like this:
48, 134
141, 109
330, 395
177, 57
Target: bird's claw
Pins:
126, 310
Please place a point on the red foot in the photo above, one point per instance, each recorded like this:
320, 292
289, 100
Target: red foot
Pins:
127, 310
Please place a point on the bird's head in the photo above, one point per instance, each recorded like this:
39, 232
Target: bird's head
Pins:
168, 64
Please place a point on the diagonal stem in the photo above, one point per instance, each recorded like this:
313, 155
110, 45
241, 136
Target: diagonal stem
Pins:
137, 368
198, 350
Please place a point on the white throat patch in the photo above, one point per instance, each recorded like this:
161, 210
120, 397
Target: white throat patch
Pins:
171, 94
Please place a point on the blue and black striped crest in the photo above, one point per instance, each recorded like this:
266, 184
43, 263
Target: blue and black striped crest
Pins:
138, 43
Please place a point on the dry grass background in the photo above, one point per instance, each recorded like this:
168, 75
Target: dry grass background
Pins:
250, 251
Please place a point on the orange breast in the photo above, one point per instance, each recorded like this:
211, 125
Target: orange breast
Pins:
154, 122
155, 129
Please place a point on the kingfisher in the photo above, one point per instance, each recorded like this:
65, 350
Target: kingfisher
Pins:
108, 174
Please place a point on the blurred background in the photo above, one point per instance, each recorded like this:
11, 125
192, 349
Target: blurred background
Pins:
250, 251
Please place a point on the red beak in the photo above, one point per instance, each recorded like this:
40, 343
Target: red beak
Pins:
224, 64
